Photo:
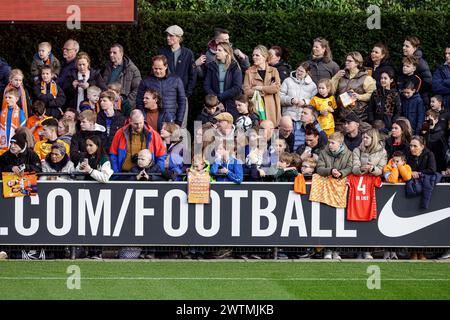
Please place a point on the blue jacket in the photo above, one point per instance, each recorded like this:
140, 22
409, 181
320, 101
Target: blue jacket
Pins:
184, 67
175, 154
235, 170
441, 84
5, 69
66, 69
232, 86
414, 110
171, 89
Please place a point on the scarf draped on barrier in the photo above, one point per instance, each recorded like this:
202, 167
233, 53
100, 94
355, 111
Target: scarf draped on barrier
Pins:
329, 190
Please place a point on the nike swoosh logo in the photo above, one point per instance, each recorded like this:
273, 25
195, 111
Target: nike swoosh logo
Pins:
394, 226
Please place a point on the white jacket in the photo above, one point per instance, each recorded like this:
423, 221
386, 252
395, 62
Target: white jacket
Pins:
295, 88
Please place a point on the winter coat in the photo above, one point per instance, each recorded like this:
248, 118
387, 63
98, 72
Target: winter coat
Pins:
385, 65
67, 168
414, 110
173, 99
378, 158
423, 186
67, 68
436, 142
423, 71
270, 90
117, 122
322, 70
232, 85
362, 84
95, 79
206, 117
183, 68
37, 65
53, 105
235, 170
78, 142
284, 70
129, 78
441, 84
119, 146
342, 162
295, 88
153, 171
424, 163
385, 105
102, 173
396, 174
174, 163
353, 143
28, 157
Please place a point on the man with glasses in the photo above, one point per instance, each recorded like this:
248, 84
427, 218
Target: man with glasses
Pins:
70, 51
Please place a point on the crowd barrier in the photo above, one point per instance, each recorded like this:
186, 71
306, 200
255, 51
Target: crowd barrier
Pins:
122, 213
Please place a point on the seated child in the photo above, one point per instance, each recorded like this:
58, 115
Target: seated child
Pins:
146, 169
44, 57
210, 110
50, 93
396, 170
93, 96
226, 167
34, 123
286, 171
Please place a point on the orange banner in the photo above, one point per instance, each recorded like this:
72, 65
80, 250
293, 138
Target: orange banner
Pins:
64, 10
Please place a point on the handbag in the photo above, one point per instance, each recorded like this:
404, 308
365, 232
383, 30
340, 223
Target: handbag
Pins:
258, 102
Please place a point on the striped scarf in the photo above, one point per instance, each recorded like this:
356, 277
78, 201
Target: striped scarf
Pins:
53, 88
15, 123
23, 103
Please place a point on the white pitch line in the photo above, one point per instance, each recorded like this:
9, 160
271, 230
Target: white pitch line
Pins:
218, 279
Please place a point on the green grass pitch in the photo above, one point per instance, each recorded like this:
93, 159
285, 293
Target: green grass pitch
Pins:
179, 280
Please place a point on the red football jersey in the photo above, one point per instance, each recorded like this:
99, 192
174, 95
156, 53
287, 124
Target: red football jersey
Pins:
362, 202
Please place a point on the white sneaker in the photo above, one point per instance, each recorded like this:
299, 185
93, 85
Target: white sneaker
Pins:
367, 255
327, 255
387, 255
336, 255
446, 255
394, 255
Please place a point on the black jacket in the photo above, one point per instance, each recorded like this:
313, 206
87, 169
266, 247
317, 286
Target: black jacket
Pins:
29, 158
424, 163
78, 143
183, 68
284, 70
232, 86
53, 105
118, 121
95, 79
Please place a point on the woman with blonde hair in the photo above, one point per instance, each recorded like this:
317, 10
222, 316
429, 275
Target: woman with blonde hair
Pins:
224, 78
370, 157
265, 79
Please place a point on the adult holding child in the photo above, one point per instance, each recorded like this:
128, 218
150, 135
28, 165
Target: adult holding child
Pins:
76, 84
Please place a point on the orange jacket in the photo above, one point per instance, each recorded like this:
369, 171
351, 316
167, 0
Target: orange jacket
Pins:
396, 174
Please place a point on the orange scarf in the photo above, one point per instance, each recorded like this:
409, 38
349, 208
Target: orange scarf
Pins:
22, 99
53, 88
15, 123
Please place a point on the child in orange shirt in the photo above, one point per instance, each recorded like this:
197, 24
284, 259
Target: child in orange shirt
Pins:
325, 103
34, 122
396, 170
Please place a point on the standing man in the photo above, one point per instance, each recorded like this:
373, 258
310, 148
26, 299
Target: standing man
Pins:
220, 35
180, 61
68, 63
122, 70
171, 91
